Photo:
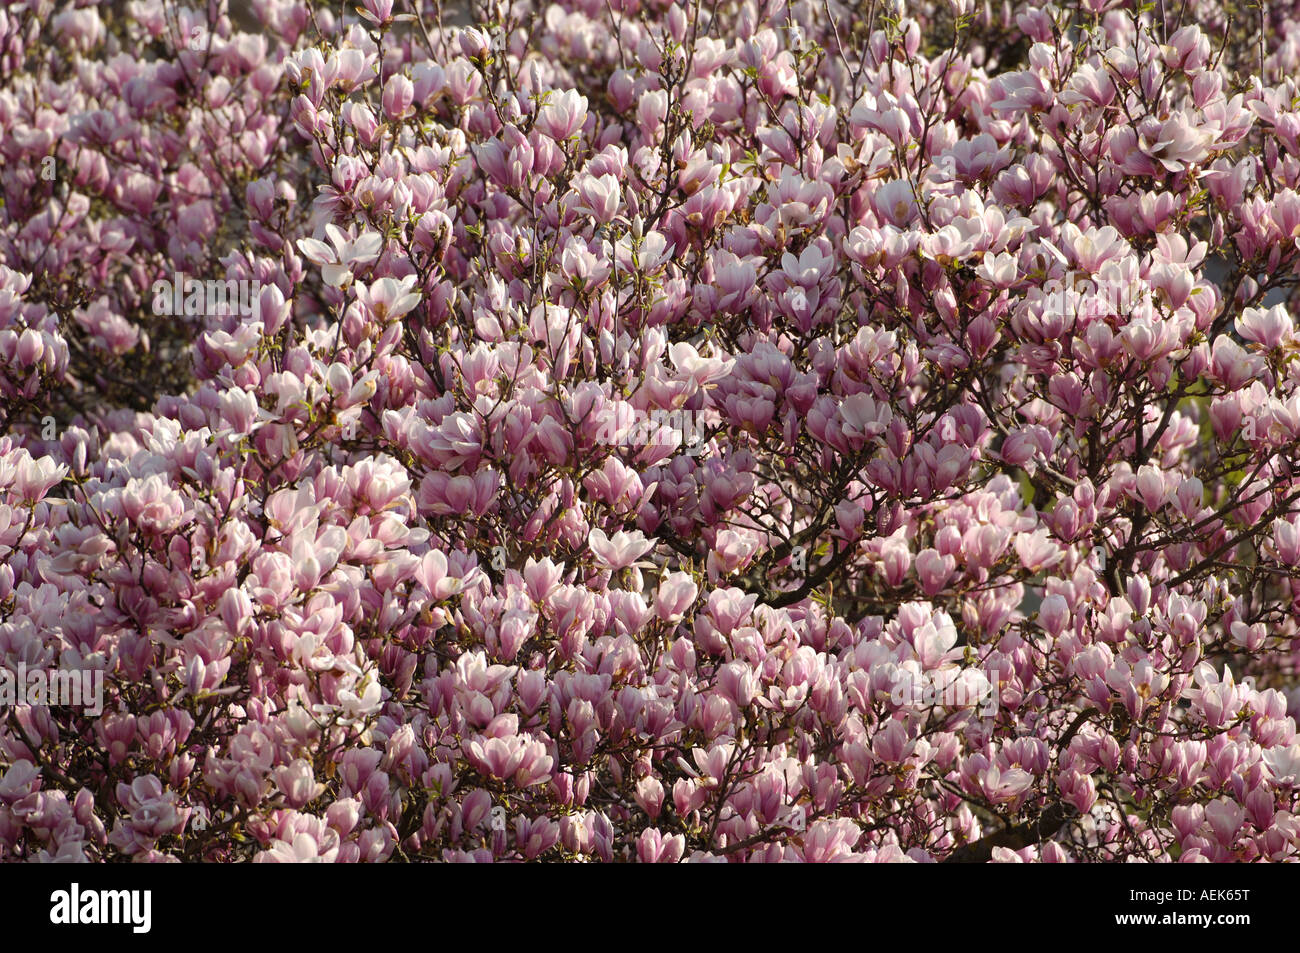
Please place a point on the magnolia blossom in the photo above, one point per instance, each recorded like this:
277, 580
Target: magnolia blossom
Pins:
563, 114
718, 433
388, 299
337, 258
1265, 327
620, 550
700, 369
1177, 142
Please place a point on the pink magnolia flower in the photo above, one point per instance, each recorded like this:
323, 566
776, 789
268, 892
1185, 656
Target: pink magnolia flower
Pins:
399, 92
1286, 541
1284, 763
153, 504
676, 593
377, 11
990, 316
303, 848
654, 847
34, 477
1177, 141
1151, 489
388, 299
619, 551
342, 253
1268, 328
563, 114
700, 370
1225, 818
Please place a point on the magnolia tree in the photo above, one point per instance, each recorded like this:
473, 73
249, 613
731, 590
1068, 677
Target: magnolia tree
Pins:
649, 430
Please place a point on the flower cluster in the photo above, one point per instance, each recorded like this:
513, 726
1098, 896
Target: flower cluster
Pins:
365, 574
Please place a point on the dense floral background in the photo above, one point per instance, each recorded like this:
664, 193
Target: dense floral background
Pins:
651, 430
